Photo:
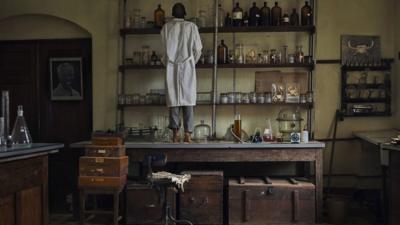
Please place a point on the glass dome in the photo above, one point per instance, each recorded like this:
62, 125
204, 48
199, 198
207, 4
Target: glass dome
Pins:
201, 132
289, 115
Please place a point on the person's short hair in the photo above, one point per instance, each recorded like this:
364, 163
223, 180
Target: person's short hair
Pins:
178, 10
64, 67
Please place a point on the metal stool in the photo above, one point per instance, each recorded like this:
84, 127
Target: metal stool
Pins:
115, 192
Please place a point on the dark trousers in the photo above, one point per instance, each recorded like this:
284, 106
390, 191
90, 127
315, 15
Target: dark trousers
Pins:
175, 121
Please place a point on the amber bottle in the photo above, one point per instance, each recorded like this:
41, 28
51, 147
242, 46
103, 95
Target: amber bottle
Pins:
265, 13
237, 16
254, 16
159, 17
276, 15
294, 18
306, 15
222, 53
228, 20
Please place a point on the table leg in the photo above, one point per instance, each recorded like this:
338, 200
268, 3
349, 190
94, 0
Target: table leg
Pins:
319, 170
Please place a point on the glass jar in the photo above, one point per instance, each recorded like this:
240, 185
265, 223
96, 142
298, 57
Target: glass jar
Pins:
149, 99
128, 99
136, 58
303, 98
310, 97
284, 54
253, 97
289, 121
238, 97
223, 98
143, 22
260, 58
155, 98
142, 99
268, 97
146, 55
136, 99
260, 98
201, 132
265, 57
245, 98
231, 97
136, 18
299, 55
291, 58
210, 56
121, 99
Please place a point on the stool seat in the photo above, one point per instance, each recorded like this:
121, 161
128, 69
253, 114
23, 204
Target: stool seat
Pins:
169, 179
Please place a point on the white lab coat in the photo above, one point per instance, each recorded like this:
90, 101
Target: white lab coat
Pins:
182, 50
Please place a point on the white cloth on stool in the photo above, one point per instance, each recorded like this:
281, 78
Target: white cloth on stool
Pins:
176, 179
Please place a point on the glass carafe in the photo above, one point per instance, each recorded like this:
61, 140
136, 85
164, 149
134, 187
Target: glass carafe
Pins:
20, 134
201, 132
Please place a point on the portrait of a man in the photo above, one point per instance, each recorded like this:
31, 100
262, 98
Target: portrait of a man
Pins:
66, 78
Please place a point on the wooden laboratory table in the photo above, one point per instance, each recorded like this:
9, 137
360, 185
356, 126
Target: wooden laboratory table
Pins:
23, 184
231, 152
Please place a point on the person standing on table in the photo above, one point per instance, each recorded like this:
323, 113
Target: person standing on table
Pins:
182, 50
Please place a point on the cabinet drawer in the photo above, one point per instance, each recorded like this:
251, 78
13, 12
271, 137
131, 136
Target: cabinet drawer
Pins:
21, 174
105, 151
112, 182
103, 166
257, 203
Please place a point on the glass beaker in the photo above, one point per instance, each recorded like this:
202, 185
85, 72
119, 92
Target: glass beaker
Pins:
20, 133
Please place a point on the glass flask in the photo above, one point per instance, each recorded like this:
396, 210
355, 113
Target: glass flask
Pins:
276, 15
265, 15
20, 133
254, 17
159, 17
306, 15
221, 16
268, 135
201, 132
294, 18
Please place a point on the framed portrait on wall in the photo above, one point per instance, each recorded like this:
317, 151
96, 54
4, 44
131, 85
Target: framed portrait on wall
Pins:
66, 78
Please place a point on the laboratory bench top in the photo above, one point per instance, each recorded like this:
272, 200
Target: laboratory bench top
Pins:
16, 152
377, 137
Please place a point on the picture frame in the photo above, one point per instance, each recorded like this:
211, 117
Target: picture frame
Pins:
66, 78
360, 50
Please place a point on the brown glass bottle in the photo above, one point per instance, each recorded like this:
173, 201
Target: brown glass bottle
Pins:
294, 18
285, 20
276, 15
222, 53
245, 22
254, 15
265, 13
306, 15
159, 17
237, 16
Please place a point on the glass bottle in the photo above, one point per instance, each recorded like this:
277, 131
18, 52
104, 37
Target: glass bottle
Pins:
254, 16
20, 133
222, 53
272, 57
221, 14
153, 58
299, 55
5, 112
306, 15
237, 16
245, 20
284, 54
265, 13
228, 20
239, 54
265, 57
276, 15
202, 18
159, 17
136, 18
294, 18
285, 20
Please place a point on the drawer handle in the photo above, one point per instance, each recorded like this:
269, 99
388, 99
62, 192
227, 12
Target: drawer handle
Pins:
198, 203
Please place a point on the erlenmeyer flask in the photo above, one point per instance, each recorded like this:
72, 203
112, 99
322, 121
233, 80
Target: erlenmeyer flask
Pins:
20, 133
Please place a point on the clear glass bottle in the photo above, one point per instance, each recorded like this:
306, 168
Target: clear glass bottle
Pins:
201, 132
265, 57
153, 58
265, 14
272, 57
222, 53
294, 18
237, 16
299, 55
254, 16
159, 17
306, 15
20, 133
239, 54
221, 16
136, 18
202, 18
276, 15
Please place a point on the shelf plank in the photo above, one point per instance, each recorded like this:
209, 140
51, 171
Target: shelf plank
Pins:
366, 86
308, 105
205, 30
372, 114
362, 68
224, 66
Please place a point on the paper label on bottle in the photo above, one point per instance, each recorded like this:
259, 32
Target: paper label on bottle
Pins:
286, 19
237, 15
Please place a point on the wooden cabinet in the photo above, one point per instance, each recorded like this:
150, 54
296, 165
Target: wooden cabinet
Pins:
23, 192
394, 187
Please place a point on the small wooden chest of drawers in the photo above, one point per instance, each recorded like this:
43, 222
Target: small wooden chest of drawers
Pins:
271, 201
202, 200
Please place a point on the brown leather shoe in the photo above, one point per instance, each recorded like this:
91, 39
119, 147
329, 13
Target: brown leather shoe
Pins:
188, 138
176, 137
